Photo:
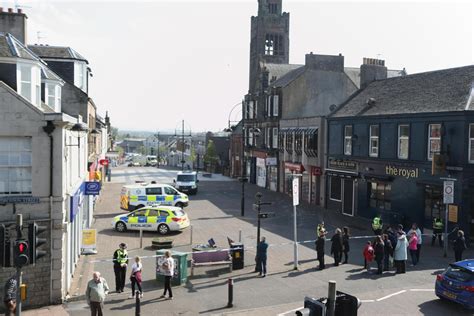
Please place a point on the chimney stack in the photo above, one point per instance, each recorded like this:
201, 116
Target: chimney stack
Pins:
324, 62
372, 69
14, 23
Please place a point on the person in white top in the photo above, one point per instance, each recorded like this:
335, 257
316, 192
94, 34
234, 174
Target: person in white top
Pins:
414, 228
136, 277
168, 271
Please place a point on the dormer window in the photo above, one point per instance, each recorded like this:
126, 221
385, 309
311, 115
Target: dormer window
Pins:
53, 96
80, 75
29, 82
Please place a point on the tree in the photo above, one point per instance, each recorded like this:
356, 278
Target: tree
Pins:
210, 158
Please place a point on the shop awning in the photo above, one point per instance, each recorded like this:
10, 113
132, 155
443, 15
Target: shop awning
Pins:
296, 167
310, 131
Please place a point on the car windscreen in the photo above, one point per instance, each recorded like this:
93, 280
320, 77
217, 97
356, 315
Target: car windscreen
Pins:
186, 178
459, 274
178, 213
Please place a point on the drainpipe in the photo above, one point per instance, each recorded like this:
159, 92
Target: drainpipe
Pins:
49, 129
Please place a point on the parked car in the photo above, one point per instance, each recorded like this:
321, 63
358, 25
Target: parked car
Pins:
162, 219
456, 283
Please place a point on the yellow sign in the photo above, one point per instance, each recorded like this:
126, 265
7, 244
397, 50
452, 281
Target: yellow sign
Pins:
401, 172
453, 213
89, 238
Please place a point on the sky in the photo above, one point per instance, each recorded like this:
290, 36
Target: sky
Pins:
156, 63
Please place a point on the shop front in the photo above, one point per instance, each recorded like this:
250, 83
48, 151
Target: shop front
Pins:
341, 184
272, 173
261, 171
291, 169
315, 190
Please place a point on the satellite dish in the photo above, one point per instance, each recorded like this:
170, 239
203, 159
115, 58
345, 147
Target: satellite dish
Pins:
332, 107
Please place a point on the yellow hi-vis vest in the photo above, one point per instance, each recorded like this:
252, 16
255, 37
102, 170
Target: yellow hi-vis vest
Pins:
376, 223
122, 256
437, 223
320, 229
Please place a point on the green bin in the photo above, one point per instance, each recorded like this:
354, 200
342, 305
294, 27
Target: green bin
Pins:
181, 267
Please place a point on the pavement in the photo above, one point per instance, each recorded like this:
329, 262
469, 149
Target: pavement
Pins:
215, 212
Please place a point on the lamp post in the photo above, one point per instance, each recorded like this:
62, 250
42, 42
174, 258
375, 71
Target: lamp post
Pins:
157, 135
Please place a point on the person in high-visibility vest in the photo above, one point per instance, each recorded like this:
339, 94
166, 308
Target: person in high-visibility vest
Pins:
377, 225
437, 231
320, 230
120, 267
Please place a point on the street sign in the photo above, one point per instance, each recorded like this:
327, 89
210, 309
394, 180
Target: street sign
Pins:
92, 188
255, 207
296, 194
266, 215
104, 162
448, 192
19, 200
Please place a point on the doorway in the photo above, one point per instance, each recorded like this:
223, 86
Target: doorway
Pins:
348, 197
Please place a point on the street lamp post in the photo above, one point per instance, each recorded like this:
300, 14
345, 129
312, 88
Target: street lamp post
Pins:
157, 135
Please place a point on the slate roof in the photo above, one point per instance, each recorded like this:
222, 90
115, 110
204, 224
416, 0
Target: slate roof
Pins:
61, 52
435, 91
354, 74
11, 47
278, 70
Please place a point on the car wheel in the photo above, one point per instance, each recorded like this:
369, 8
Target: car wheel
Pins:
121, 227
179, 204
163, 229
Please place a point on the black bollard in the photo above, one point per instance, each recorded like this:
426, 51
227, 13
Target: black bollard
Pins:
230, 284
137, 303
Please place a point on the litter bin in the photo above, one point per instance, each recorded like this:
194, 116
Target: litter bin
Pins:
237, 253
346, 305
181, 267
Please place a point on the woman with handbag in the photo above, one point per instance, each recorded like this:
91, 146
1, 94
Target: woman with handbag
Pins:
136, 277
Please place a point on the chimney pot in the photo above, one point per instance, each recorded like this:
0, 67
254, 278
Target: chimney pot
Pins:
20, 11
10, 10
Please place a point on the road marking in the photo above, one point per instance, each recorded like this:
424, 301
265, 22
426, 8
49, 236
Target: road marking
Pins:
367, 301
422, 290
290, 311
390, 295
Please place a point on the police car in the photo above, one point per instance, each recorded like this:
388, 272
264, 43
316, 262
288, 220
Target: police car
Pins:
162, 219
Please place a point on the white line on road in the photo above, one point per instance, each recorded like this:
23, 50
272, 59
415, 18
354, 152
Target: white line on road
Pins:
390, 295
367, 301
422, 290
287, 312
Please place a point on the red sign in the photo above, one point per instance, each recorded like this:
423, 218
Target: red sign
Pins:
294, 167
104, 162
316, 171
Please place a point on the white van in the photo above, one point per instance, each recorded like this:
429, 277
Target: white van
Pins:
186, 181
138, 195
151, 161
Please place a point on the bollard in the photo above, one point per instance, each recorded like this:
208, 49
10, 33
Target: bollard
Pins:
230, 284
191, 234
240, 235
137, 303
141, 238
332, 298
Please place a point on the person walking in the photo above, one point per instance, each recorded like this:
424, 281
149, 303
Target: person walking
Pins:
9, 295
96, 292
387, 253
416, 229
412, 246
379, 252
262, 248
336, 246
368, 254
459, 246
345, 243
320, 250
120, 267
136, 277
437, 231
400, 252
168, 271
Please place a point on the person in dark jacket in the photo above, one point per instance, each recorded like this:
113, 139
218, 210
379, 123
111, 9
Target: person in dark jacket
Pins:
379, 253
459, 246
262, 257
392, 235
320, 250
387, 253
9, 297
345, 243
120, 261
336, 246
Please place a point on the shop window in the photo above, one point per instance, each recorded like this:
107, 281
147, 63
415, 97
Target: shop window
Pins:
434, 140
311, 142
335, 188
374, 141
471, 143
379, 195
433, 201
348, 140
403, 141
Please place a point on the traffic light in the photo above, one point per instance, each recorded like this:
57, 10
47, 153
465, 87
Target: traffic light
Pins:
4, 247
21, 253
33, 231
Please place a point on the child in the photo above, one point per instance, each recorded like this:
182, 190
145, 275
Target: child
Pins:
368, 255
